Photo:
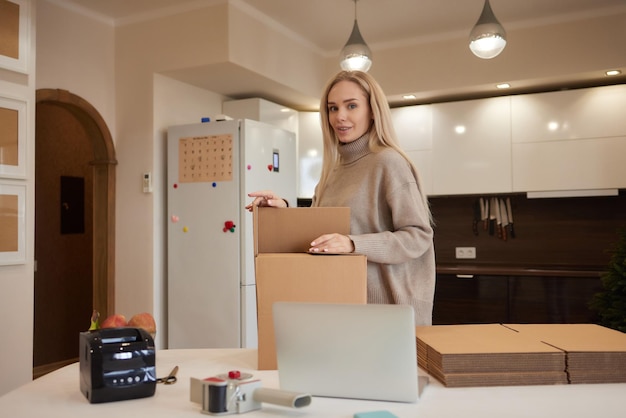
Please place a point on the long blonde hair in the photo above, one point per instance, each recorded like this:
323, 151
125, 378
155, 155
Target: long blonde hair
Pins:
381, 132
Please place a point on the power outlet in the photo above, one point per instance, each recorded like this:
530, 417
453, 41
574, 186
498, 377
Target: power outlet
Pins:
465, 252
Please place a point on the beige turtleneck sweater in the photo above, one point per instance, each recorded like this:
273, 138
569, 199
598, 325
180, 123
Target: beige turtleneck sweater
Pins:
389, 224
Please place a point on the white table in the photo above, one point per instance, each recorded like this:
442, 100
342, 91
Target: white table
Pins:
58, 395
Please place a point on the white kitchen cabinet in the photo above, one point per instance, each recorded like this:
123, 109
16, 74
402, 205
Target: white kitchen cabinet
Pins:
582, 164
310, 153
567, 115
413, 126
472, 147
569, 140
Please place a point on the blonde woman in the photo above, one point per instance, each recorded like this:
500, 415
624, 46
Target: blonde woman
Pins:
365, 169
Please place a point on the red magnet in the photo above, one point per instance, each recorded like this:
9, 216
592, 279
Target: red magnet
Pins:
229, 226
270, 167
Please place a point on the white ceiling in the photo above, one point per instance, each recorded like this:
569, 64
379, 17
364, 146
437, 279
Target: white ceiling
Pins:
326, 24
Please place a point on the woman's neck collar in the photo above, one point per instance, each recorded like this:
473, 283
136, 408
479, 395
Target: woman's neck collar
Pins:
352, 151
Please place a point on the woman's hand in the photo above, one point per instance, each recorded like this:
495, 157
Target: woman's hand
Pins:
333, 244
265, 198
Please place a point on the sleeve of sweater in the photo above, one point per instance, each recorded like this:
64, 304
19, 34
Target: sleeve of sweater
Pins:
408, 233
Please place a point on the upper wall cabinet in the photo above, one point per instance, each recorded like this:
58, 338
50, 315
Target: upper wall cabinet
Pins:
572, 114
472, 147
413, 125
569, 140
310, 153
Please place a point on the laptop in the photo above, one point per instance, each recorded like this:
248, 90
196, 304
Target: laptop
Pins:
347, 350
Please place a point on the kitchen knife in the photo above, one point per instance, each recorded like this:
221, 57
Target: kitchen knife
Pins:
505, 218
477, 215
510, 216
485, 213
498, 218
492, 215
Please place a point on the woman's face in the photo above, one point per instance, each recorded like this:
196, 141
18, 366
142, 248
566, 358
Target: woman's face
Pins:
349, 111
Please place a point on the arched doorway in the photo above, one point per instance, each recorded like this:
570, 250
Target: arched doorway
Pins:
66, 120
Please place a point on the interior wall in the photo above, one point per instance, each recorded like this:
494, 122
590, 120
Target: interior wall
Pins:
77, 55
275, 55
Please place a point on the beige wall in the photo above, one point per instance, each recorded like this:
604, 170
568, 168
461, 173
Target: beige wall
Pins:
77, 54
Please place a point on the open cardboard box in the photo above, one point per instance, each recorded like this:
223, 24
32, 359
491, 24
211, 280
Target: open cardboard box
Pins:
285, 271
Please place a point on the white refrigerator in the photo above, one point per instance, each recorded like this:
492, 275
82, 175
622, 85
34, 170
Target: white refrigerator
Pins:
211, 298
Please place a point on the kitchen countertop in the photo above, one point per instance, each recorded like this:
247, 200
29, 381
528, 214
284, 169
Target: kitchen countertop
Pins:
500, 270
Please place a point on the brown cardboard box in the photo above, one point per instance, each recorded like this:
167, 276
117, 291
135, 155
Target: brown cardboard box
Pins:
286, 272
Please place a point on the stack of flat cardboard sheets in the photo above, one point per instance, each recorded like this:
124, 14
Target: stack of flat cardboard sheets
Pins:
595, 354
507, 355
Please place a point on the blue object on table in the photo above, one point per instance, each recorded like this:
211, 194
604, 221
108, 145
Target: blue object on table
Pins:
375, 414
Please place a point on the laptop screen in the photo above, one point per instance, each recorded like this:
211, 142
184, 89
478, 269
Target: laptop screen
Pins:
347, 350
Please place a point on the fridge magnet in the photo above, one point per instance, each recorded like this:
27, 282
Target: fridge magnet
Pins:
185, 229
12, 223
14, 35
12, 137
174, 218
229, 226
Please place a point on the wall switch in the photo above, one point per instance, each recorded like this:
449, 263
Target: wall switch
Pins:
465, 252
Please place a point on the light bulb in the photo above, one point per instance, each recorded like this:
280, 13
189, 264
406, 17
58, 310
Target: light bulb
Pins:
487, 47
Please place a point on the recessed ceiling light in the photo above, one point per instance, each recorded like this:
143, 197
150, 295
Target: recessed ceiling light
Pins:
503, 86
613, 72
408, 96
